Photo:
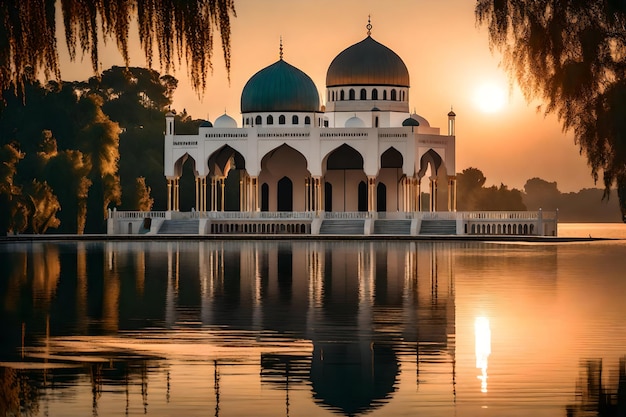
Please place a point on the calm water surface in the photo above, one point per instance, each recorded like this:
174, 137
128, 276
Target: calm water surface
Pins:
312, 328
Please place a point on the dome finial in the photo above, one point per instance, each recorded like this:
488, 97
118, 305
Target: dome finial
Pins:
281, 48
369, 25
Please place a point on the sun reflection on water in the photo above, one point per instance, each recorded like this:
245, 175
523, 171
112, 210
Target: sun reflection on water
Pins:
482, 333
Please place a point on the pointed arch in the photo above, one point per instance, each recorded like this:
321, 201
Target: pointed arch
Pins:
391, 158
281, 164
431, 158
180, 162
223, 160
344, 157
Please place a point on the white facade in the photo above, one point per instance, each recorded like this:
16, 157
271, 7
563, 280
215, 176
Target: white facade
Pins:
363, 151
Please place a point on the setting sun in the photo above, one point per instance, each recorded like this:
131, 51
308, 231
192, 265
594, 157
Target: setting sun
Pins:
490, 97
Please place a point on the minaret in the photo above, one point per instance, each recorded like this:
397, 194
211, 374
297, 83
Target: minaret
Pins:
169, 124
451, 119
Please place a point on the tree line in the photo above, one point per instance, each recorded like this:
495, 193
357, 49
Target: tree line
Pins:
69, 151
586, 205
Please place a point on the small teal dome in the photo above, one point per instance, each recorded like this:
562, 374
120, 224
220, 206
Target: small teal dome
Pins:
280, 87
206, 123
410, 122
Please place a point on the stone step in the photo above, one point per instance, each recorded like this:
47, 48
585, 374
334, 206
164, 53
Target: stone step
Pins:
392, 227
179, 227
438, 227
343, 227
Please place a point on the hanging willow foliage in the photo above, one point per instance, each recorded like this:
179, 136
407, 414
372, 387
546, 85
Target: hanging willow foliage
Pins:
178, 30
571, 55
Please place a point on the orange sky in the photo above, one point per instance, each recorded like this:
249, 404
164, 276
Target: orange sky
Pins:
448, 59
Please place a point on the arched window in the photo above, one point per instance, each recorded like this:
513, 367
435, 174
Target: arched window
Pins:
247, 121
393, 95
352, 94
258, 120
376, 121
281, 119
295, 120
307, 120
374, 94
342, 95
265, 197
401, 95
270, 120
362, 196
363, 94
384, 94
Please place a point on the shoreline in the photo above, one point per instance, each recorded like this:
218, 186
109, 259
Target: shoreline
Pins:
407, 238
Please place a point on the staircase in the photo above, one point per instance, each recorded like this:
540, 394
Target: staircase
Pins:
438, 227
342, 227
392, 227
179, 227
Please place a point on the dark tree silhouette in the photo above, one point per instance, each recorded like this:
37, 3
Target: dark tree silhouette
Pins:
177, 29
571, 54
472, 195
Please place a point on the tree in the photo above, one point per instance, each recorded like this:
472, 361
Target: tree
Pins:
469, 184
10, 157
141, 197
472, 195
542, 194
571, 54
178, 28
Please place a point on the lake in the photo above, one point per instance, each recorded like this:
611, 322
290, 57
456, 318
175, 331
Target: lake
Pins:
324, 328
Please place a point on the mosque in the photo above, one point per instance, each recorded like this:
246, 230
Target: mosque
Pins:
362, 151
293, 165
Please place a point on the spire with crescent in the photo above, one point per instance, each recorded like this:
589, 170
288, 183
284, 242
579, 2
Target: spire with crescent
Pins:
369, 25
281, 48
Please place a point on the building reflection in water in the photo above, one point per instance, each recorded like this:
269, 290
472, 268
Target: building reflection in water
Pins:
482, 333
362, 307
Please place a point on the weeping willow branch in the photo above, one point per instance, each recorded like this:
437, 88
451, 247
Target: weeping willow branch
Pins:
177, 30
571, 55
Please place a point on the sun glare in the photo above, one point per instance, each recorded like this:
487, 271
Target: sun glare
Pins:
490, 97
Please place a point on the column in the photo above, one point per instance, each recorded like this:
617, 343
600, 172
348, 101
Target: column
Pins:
242, 194
371, 193
169, 195
419, 194
319, 206
213, 195
203, 189
433, 193
176, 195
198, 193
254, 198
451, 193
307, 194
405, 195
316, 193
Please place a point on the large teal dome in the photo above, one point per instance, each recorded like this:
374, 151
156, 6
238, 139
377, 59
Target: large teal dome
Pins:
367, 63
280, 87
